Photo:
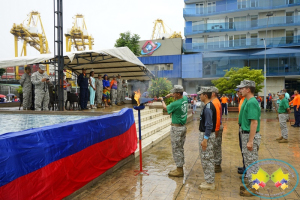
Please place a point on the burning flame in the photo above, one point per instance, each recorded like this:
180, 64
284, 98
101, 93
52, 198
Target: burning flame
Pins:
137, 96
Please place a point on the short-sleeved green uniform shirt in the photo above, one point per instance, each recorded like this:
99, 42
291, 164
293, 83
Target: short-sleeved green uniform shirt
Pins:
178, 109
250, 110
283, 105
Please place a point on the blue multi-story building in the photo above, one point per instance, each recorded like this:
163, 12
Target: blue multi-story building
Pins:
233, 33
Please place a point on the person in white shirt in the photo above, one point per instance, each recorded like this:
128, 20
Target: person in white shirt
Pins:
194, 105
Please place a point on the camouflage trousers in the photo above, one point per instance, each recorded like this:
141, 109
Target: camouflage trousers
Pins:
27, 99
218, 147
250, 156
119, 94
113, 96
282, 122
41, 98
207, 157
65, 97
123, 95
99, 94
177, 140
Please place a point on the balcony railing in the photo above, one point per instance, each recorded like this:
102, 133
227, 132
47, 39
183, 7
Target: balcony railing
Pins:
223, 7
242, 25
242, 44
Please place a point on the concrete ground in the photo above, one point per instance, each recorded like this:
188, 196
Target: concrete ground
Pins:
123, 184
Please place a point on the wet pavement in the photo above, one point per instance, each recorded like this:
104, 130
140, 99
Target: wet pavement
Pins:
122, 184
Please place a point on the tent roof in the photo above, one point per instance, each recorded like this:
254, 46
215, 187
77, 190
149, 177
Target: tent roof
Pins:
111, 62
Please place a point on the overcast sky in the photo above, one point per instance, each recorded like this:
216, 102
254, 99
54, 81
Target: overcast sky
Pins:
104, 19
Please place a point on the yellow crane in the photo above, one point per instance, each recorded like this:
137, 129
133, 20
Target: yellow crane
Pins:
30, 34
159, 31
78, 35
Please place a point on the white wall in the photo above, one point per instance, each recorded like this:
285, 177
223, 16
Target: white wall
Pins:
274, 85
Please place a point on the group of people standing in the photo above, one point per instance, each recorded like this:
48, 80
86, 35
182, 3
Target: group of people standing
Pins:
101, 89
41, 83
211, 130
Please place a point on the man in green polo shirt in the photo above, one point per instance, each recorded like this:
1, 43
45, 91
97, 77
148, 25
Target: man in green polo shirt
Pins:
249, 119
283, 115
178, 109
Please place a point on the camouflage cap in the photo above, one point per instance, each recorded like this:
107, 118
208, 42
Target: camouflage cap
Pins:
214, 89
281, 93
205, 89
177, 88
246, 83
42, 67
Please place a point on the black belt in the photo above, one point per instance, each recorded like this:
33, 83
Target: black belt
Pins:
246, 132
178, 125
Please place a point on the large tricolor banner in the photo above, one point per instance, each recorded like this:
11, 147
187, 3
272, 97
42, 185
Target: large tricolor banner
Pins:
54, 161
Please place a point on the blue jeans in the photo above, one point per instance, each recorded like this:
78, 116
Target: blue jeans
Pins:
194, 108
224, 107
297, 116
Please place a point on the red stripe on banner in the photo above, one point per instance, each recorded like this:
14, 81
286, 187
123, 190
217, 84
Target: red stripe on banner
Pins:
63, 177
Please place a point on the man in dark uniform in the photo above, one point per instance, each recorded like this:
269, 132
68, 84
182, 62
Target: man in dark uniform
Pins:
207, 137
83, 83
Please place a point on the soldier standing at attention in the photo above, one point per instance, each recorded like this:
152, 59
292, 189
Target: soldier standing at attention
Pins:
25, 82
119, 90
208, 119
283, 115
99, 91
249, 119
242, 99
178, 108
124, 88
218, 130
40, 80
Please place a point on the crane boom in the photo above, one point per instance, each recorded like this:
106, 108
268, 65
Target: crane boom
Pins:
159, 25
78, 35
28, 32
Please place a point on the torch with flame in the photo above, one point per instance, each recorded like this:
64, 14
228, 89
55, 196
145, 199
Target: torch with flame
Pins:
137, 97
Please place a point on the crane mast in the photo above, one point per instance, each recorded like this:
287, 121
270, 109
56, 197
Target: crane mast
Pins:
78, 36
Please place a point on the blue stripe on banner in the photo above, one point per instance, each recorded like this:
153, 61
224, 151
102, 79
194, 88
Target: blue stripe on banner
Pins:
26, 151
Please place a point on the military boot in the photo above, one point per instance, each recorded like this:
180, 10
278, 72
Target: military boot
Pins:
207, 186
218, 168
99, 105
178, 172
119, 104
246, 193
283, 141
280, 138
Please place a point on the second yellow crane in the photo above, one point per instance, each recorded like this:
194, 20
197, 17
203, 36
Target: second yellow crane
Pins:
78, 35
159, 31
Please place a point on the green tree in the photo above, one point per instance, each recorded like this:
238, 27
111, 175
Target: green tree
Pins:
160, 87
2, 71
234, 76
129, 40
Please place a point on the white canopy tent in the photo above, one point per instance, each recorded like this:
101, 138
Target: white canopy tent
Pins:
111, 62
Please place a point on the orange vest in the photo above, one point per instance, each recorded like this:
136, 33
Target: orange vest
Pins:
218, 107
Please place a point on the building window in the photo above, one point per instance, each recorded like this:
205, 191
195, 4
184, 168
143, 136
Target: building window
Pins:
213, 24
198, 43
198, 26
160, 67
289, 37
200, 8
211, 7
242, 4
253, 3
254, 20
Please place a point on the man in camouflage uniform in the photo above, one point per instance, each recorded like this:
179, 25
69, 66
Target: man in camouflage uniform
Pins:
249, 119
99, 91
124, 89
178, 108
283, 115
207, 139
119, 90
25, 82
218, 130
41, 81
113, 91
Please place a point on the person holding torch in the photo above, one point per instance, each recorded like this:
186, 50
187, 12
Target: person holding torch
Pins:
178, 108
